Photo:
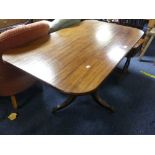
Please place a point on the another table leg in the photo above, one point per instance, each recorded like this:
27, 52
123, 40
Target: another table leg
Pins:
101, 102
67, 102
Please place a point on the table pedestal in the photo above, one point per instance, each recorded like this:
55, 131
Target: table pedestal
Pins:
71, 98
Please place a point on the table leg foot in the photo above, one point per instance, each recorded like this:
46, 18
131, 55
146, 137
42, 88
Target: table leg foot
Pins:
67, 102
101, 102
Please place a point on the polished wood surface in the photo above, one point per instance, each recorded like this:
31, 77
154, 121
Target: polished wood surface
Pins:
76, 60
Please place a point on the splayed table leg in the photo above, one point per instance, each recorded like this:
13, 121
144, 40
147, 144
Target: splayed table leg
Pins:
101, 102
66, 103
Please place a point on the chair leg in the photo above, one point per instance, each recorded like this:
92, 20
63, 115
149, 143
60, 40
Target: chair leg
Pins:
13, 115
14, 102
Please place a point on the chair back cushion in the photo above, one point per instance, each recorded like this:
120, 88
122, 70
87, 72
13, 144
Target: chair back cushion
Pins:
22, 35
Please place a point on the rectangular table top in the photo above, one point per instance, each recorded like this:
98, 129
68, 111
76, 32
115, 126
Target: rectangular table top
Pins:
77, 59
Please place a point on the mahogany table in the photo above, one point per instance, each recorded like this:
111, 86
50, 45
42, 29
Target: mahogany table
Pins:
76, 60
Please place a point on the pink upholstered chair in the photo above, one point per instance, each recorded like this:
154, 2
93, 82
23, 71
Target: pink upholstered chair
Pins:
13, 80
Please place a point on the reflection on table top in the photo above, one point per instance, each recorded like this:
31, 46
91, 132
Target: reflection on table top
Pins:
77, 59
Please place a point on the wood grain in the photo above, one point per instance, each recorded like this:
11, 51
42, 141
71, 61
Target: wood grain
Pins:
76, 60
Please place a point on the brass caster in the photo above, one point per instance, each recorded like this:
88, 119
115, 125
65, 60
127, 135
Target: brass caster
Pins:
12, 116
